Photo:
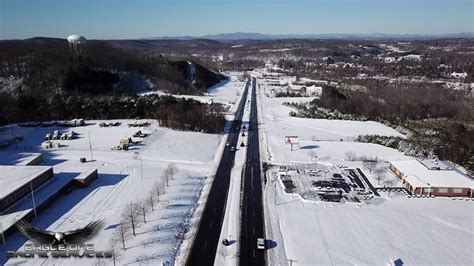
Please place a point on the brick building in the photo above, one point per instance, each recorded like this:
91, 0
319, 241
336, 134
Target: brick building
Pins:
432, 177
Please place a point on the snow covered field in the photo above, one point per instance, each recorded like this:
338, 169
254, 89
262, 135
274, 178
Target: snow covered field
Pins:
416, 231
389, 229
126, 177
226, 92
322, 136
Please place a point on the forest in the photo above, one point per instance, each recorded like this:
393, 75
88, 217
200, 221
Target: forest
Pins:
45, 79
440, 121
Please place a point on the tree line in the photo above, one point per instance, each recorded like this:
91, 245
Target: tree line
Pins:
440, 120
177, 113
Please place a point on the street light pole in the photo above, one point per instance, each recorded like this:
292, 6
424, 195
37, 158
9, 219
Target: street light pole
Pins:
33, 199
141, 167
90, 146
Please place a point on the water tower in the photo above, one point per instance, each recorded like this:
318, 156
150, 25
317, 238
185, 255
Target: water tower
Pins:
77, 44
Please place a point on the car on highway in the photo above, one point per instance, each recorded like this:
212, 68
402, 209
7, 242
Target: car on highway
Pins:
227, 144
260, 243
232, 148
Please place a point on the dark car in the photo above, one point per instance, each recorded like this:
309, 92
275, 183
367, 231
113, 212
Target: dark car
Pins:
225, 242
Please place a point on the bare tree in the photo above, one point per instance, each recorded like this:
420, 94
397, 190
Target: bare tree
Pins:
166, 176
114, 247
158, 189
151, 200
379, 172
171, 170
350, 155
122, 233
130, 215
378, 178
371, 165
142, 205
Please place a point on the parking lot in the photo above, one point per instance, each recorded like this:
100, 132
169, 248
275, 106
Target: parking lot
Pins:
321, 182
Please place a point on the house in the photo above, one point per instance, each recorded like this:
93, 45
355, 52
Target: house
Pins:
296, 89
314, 91
432, 177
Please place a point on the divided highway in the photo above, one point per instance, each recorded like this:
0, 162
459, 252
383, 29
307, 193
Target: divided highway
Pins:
204, 248
252, 226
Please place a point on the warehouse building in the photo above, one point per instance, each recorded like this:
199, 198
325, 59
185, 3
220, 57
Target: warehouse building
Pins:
18, 181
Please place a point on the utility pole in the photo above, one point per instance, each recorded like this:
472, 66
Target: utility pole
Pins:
141, 167
33, 198
275, 189
90, 146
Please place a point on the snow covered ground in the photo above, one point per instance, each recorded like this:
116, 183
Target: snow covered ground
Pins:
226, 92
126, 177
416, 231
389, 229
322, 136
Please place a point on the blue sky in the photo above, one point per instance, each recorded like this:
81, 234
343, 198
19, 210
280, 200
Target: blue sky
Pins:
106, 19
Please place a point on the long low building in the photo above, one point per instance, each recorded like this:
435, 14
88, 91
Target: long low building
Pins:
17, 181
432, 177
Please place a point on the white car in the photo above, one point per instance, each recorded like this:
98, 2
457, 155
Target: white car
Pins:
260, 243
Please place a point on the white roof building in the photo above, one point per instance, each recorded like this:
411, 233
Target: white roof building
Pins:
432, 173
14, 177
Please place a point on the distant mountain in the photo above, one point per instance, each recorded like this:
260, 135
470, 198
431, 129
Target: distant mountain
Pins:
374, 36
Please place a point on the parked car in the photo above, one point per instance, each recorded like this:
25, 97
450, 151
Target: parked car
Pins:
47, 137
56, 134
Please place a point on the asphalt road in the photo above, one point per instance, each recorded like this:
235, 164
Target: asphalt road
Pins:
252, 206
204, 248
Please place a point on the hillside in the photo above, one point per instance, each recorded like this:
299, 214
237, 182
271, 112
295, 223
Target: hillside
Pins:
45, 79
45, 64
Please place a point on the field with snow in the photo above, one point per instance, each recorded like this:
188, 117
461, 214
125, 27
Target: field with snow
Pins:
415, 231
328, 139
226, 92
386, 230
126, 177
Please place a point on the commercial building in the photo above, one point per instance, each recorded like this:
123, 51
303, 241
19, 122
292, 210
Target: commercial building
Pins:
18, 181
432, 177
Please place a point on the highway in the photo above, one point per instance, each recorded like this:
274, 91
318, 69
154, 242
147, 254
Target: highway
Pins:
204, 248
252, 207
